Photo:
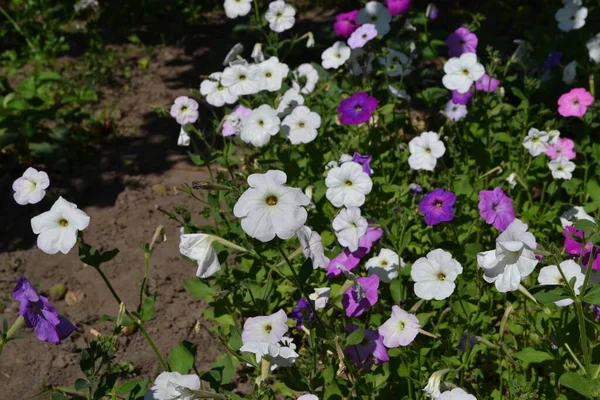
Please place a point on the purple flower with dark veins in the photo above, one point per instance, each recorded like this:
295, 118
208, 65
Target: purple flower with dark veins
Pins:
437, 206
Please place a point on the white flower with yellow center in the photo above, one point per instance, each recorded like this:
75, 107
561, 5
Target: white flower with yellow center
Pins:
301, 126
237, 8
335, 56
265, 329
349, 227
461, 72
31, 187
348, 185
260, 125
281, 16
434, 275
215, 92
385, 265
273, 73
551, 275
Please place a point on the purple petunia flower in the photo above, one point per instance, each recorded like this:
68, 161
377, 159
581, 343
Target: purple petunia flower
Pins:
351, 259
356, 303
461, 41
370, 350
487, 84
346, 23
416, 189
437, 206
463, 98
573, 247
454, 111
357, 109
301, 312
40, 315
432, 11
496, 208
365, 161
552, 60
398, 6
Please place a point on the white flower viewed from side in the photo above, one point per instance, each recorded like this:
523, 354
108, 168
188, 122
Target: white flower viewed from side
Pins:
237, 8
257, 53
57, 229
265, 329
550, 275
281, 16
184, 110
349, 227
593, 46
512, 260
270, 208
242, 79
235, 51
574, 214
396, 63
434, 275
290, 100
377, 14
320, 296
456, 394
199, 247
400, 329
512, 180
173, 385
305, 78
571, 16
432, 389
31, 187
562, 168
260, 125
385, 265
425, 149
348, 185
184, 139
273, 73
335, 56
461, 72
215, 92
536, 142
301, 126
570, 72
312, 247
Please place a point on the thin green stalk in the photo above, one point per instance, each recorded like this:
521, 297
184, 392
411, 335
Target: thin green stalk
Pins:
581, 317
18, 29
147, 255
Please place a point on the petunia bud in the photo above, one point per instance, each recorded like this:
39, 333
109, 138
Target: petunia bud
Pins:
432, 390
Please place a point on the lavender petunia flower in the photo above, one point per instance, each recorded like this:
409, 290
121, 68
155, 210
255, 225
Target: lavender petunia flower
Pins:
461, 41
370, 350
40, 315
454, 111
233, 122
487, 84
354, 303
496, 208
362, 36
349, 259
365, 161
437, 206
357, 109
463, 98
552, 60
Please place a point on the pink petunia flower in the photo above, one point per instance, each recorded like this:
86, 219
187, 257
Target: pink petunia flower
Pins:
562, 148
487, 84
574, 103
350, 259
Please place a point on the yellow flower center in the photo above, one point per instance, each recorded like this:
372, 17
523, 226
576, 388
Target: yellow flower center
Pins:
272, 201
63, 222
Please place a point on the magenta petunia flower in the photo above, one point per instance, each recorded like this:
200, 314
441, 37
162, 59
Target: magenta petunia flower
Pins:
562, 148
357, 109
365, 161
574, 246
40, 315
487, 84
463, 98
496, 208
437, 206
370, 350
461, 41
574, 103
398, 6
362, 36
346, 23
356, 303
350, 259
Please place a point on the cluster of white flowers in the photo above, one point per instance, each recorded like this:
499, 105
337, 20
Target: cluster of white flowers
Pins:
280, 15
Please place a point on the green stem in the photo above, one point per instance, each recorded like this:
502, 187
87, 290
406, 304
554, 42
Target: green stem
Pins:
581, 317
18, 29
19, 322
145, 278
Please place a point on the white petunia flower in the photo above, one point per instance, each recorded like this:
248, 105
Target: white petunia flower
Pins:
257, 54
562, 168
550, 275
290, 100
301, 126
553, 136
173, 385
461, 72
570, 72
308, 397
242, 79
199, 247
312, 247
281, 16
31, 187
569, 217
235, 51
265, 329
385, 265
216, 93
320, 296
335, 56
425, 149
456, 394
536, 142
237, 8
361, 62
593, 46
512, 260
400, 329
260, 125
434, 275
270, 208
184, 110
273, 73
58, 228
184, 138
347, 185
309, 75
511, 179
396, 63
280, 355
377, 14
349, 227
570, 17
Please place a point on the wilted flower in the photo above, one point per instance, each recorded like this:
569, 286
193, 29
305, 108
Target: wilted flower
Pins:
31, 187
432, 390
301, 126
199, 247
312, 247
184, 110
346, 23
357, 109
570, 72
385, 265
257, 53
237, 8
173, 385
550, 275
561, 168
370, 350
536, 142
301, 312
215, 92
574, 247
362, 36
463, 98
574, 103
235, 51
347, 185
184, 138
496, 208
400, 329
434, 275
461, 41
365, 161
357, 300
281, 16
280, 354
335, 56
349, 227
437, 206
260, 125
376, 14
552, 60
432, 12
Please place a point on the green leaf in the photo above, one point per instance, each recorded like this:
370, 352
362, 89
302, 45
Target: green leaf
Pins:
81, 384
593, 296
531, 355
547, 294
181, 358
576, 382
333, 392
472, 249
27, 87
94, 257
355, 337
106, 385
198, 289
593, 190
58, 396
584, 225
396, 290
134, 386
148, 312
